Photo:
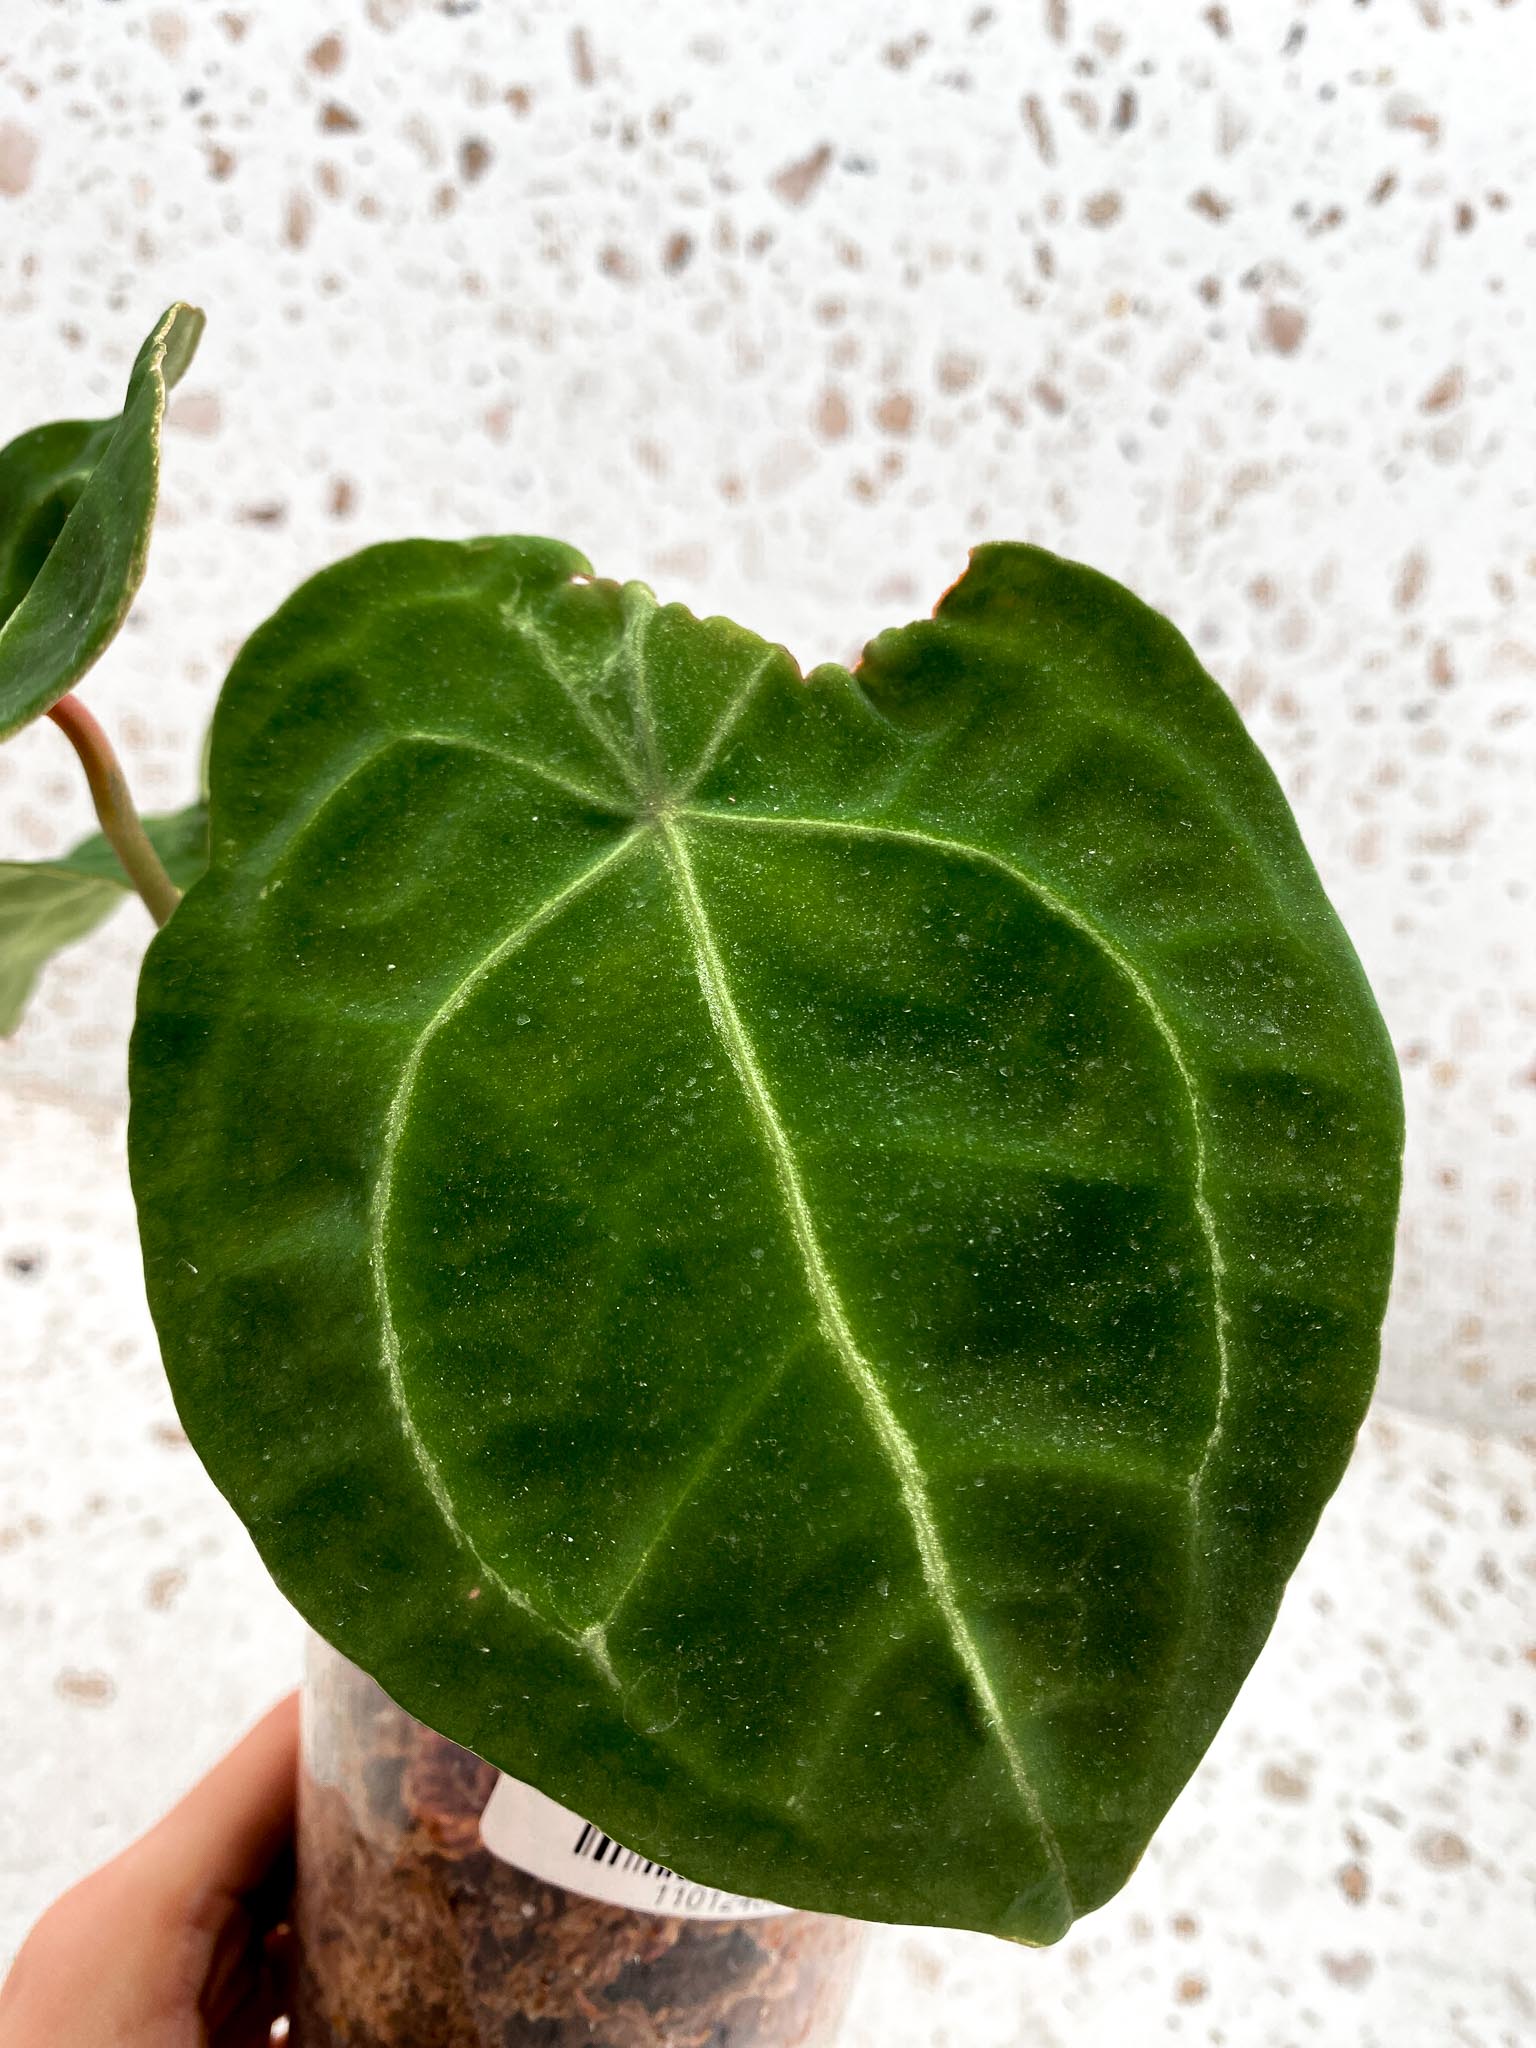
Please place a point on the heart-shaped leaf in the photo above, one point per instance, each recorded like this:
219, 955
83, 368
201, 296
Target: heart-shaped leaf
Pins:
77, 499
46, 905
792, 1261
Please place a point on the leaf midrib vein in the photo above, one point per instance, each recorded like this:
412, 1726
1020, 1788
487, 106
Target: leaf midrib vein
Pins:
896, 1445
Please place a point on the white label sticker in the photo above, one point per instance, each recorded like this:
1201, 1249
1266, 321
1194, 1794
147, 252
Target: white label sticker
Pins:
524, 1828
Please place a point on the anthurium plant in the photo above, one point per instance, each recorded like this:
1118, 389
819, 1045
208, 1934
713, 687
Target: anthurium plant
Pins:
790, 1258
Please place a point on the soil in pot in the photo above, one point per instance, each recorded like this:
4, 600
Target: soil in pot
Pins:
412, 1934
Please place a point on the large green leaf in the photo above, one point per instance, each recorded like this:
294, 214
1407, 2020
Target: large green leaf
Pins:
46, 905
77, 499
791, 1260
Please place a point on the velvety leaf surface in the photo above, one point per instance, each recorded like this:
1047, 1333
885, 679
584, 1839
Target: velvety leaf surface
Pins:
792, 1261
77, 499
46, 905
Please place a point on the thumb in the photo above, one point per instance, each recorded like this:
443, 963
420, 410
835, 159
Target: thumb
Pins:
125, 1959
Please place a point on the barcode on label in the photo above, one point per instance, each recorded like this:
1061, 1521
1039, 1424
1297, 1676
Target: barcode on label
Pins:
603, 1849
547, 1840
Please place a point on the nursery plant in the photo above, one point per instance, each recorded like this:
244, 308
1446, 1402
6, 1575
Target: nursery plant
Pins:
789, 1259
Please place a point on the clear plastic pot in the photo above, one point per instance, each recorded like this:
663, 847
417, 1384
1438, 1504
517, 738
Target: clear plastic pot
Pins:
412, 1934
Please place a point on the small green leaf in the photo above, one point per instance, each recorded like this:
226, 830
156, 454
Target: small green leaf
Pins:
46, 905
77, 499
792, 1261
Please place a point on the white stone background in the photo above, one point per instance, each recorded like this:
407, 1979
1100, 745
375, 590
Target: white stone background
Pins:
782, 307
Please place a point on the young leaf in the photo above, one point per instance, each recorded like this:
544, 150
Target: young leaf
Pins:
792, 1261
77, 499
46, 905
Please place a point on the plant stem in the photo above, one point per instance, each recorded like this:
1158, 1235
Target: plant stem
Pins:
114, 807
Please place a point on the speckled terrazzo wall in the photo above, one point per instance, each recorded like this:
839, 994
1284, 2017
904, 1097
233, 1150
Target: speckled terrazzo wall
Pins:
782, 308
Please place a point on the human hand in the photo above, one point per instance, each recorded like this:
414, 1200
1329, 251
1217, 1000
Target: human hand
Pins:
170, 1945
